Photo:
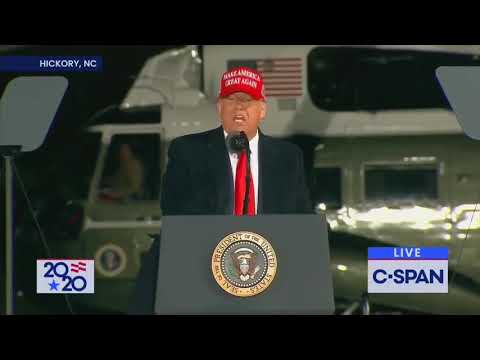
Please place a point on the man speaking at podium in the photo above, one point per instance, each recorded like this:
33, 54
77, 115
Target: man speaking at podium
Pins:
206, 176
212, 172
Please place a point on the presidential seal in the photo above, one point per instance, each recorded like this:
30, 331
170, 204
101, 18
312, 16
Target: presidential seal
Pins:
244, 264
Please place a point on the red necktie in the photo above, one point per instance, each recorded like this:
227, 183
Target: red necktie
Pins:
241, 187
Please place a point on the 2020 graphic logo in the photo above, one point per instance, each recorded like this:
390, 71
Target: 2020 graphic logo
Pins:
60, 276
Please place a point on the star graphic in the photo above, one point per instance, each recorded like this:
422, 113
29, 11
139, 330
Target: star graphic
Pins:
53, 285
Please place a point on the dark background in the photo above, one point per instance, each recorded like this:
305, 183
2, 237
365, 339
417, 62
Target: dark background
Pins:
45, 170
87, 92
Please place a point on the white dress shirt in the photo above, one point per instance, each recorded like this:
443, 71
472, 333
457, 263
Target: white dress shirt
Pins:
253, 165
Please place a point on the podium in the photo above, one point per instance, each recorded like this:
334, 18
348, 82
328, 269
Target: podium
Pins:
229, 265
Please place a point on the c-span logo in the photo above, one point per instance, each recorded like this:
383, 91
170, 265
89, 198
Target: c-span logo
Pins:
408, 270
73, 276
244, 264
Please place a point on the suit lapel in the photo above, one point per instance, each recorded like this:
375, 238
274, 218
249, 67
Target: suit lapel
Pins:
266, 175
219, 167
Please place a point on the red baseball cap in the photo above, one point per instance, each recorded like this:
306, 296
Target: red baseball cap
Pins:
242, 79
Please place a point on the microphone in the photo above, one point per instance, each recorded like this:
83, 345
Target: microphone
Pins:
237, 142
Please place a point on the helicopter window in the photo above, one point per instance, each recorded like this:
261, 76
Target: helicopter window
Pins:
83, 154
327, 187
361, 79
132, 169
402, 182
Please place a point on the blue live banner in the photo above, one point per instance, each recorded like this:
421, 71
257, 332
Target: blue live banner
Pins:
51, 64
424, 253
408, 270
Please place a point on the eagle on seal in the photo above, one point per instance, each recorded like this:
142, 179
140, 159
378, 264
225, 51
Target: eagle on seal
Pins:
245, 261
